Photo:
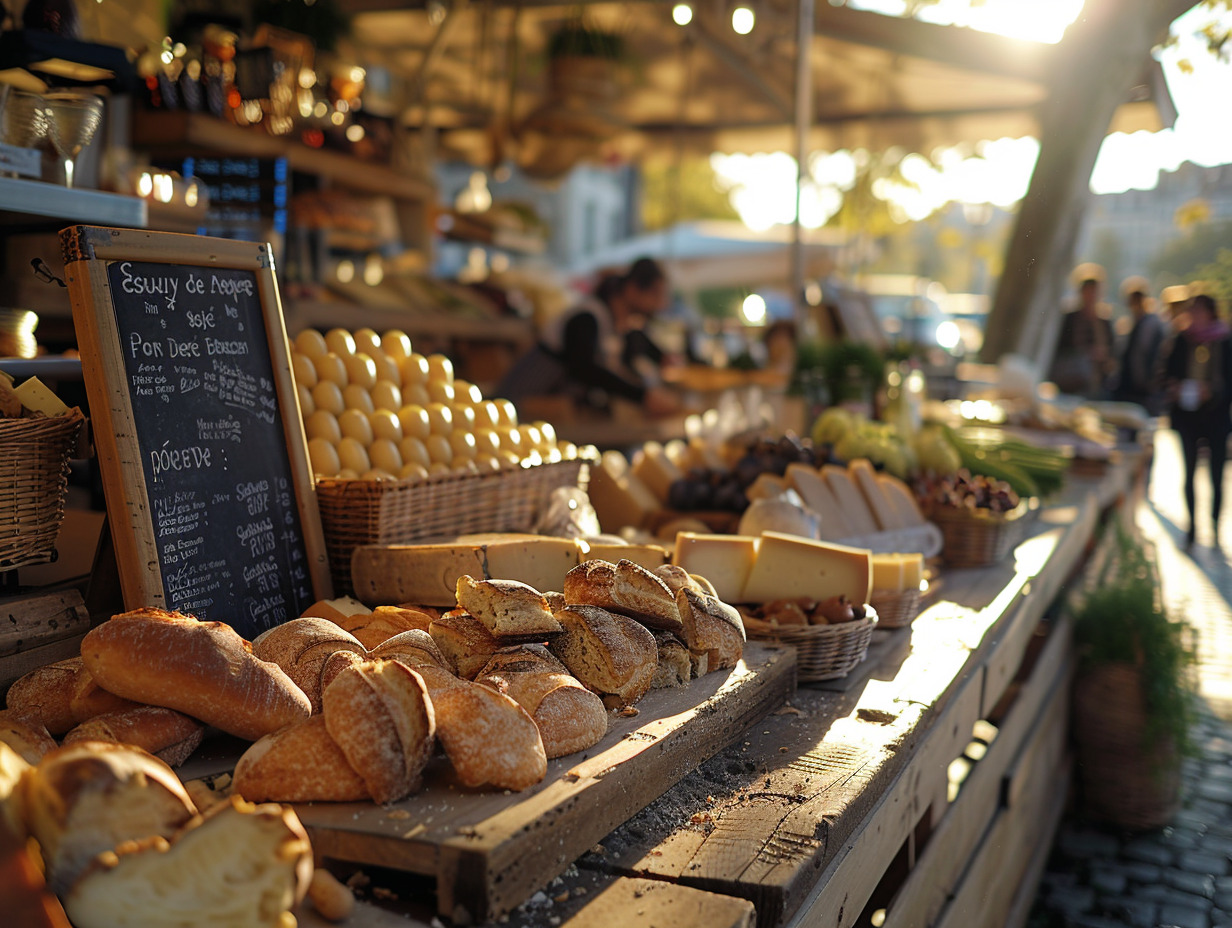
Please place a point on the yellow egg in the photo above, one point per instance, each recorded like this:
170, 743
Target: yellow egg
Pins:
466, 466
323, 424
386, 395
548, 431
568, 450
361, 370
413, 471
414, 370
487, 415
508, 413
331, 367
466, 392
416, 394
510, 440
353, 423
414, 451
532, 438
532, 459
366, 340
487, 462
588, 453
463, 444
356, 397
328, 396
487, 442
340, 342
311, 343
396, 344
306, 404
440, 368
347, 474
385, 424
354, 455
384, 455
440, 418
378, 474
441, 392
439, 449
463, 417
415, 422
553, 456
387, 369
509, 459
439, 467
304, 370
323, 457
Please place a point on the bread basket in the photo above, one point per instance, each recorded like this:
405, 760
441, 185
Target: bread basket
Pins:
34, 456
978, 537
823, 652
895, 610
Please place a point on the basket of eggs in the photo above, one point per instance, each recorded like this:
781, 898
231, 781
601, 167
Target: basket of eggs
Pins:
831, 636
402, 451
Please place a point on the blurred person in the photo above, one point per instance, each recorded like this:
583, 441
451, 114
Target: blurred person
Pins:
1199, 386
1084, 356
1138, 380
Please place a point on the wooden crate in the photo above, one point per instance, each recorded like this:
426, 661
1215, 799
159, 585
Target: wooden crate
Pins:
37, 629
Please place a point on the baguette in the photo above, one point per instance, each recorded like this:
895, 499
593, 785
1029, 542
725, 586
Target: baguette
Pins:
507, 608
625, 588
299, 763
13, 770
301, 647
203, 669
45, 694
27, 736
610, 654
168, 735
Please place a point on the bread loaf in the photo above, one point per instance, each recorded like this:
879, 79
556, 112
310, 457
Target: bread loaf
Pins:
414, 648
625, 588
674, 667
13, 770
712, 626
465, 641
45, 694
610, 654
26, 903
27, 736
203, 669
90, 700
507, 608
674, 577
300, 647
240, 866
332, 900
379, 714
169, 735
383, 622
86, 798
299, 763
336, 663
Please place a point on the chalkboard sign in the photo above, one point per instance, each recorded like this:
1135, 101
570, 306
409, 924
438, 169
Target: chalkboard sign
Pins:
197, 425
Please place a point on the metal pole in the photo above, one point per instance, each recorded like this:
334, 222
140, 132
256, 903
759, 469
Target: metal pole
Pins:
804, 110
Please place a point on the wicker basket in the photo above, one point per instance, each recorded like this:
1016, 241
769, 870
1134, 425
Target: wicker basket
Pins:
823, 652
34, 455
895, 610
977, 537
370, 512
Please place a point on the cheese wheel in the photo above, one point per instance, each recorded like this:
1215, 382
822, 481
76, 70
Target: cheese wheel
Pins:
441, 392
354, 455
440, 418
340, 341
415, 421
385, 424
414, 451
414, 370
386, 395
361, 370
306, 404
311, 343
356, 397
439, 449
323, 424
383, 454
327, 395
304, 370
323, 457
396, 344
440, 369
330, 367
366, 340
353, 423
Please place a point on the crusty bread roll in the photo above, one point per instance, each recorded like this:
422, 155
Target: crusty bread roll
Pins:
556, 601
299, 763
570, 717
46, 694
674, 667
89, 699
383, 622
300, 647
414, 648
507, 608
625, 588
203, 669
336, 663
169, 735
27, 736
674, 577
465, 641
86, 798
610, 654
240, 866
379, 713
712, 626
332, 900
13, 769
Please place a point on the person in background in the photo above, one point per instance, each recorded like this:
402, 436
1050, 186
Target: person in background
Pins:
1139, 378
1084, 356
1198, 378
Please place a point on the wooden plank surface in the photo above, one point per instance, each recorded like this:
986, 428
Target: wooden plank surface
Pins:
663, 905
39, 619
20, 664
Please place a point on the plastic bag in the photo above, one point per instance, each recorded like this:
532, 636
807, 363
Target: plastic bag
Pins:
568, 514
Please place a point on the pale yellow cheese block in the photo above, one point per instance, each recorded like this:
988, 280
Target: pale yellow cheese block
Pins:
428, 573
874, 494
849, 498
653, 468
725, 560
791, 567
888, 573
817, 496
619, 497
913, 571
648, 556
38, 397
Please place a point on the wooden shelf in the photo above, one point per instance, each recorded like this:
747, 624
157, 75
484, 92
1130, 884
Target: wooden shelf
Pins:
182, 133
302, 314
20, 200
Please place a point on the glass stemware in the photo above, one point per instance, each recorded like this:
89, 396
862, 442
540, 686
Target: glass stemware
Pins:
72, 120
24, 121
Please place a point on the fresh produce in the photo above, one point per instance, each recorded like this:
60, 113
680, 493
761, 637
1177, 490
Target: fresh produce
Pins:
724, 490
965, 490
850, 436
1046, 467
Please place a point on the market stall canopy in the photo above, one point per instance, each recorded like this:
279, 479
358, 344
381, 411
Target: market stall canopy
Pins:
481, 74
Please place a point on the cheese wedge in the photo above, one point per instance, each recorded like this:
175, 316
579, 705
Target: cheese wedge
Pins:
888, 573
766, 486
913, 571
428, 573
655, 469
336, 610
725, 560
902, 499
618, 496
789, 567
874, 494
648, 556
816, 494
38, 397
703, 455
849, 498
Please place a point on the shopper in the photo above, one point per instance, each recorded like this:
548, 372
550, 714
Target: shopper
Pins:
1138, 380
1084, 356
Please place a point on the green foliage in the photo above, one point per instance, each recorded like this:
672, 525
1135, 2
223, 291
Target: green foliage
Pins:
682, 192
1181, 260
578, 39
850, 370
1122, 621
1217, 276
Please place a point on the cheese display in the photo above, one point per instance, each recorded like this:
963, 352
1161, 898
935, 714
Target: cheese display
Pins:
788, 567
897, 573
648, 556
725, 560
620, 498
656, 470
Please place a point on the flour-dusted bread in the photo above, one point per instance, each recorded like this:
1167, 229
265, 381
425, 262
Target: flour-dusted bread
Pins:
45, 694
240, 866
86, 798
487, 736
507, 608
338, 662
414, 648
713, 627
610, 654
203, 669
299, 763
379, 713
301, 647
383, 622
27, 736
465, 641
570, 717
675, 577
89, 699
169, 735
625, 588
674, 667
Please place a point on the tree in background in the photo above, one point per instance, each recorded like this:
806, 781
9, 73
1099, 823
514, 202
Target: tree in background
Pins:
1216, 278
678, 192
1183, 260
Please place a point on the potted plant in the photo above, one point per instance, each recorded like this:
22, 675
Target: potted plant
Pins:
584, 61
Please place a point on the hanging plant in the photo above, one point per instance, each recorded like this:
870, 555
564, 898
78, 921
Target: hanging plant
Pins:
576, 39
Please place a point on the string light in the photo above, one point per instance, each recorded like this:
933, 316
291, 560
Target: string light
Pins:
682, 14
743, 20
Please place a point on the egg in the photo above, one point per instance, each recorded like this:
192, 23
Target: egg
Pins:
413, 471
304, 370
416, 394
439, 449
487, 463
548, 431
353, 423
384, 455
347, 474
463, 444
366, 340
440, 418
385, 424
531, 437
311, 344
441, 392
330, 367
340, 341
487, 415
306, 404
508, 413
468, 393
356, 397
414, 370
415, 421
413, 451
327, 396
361, 370
510, 440
323, 457
354, 455
396, 344
378, 474
323, 424
440, 368
387, 369
463, 417
386, 395
487, 442
439, 467
466, 466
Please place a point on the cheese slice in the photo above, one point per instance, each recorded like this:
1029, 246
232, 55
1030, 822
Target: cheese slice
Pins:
677, 451
902, 499
38, 397
343, 607
816, 494
724, 560
874, 495
703, 455
766, 486
428, 574
849, 498
652, 467
888, 573
648, 556
619, 498
790, 567
913, 571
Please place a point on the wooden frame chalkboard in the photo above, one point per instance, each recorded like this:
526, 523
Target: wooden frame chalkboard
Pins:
196, 424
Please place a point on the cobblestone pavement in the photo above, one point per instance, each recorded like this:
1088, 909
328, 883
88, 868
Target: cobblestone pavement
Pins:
1181, 875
